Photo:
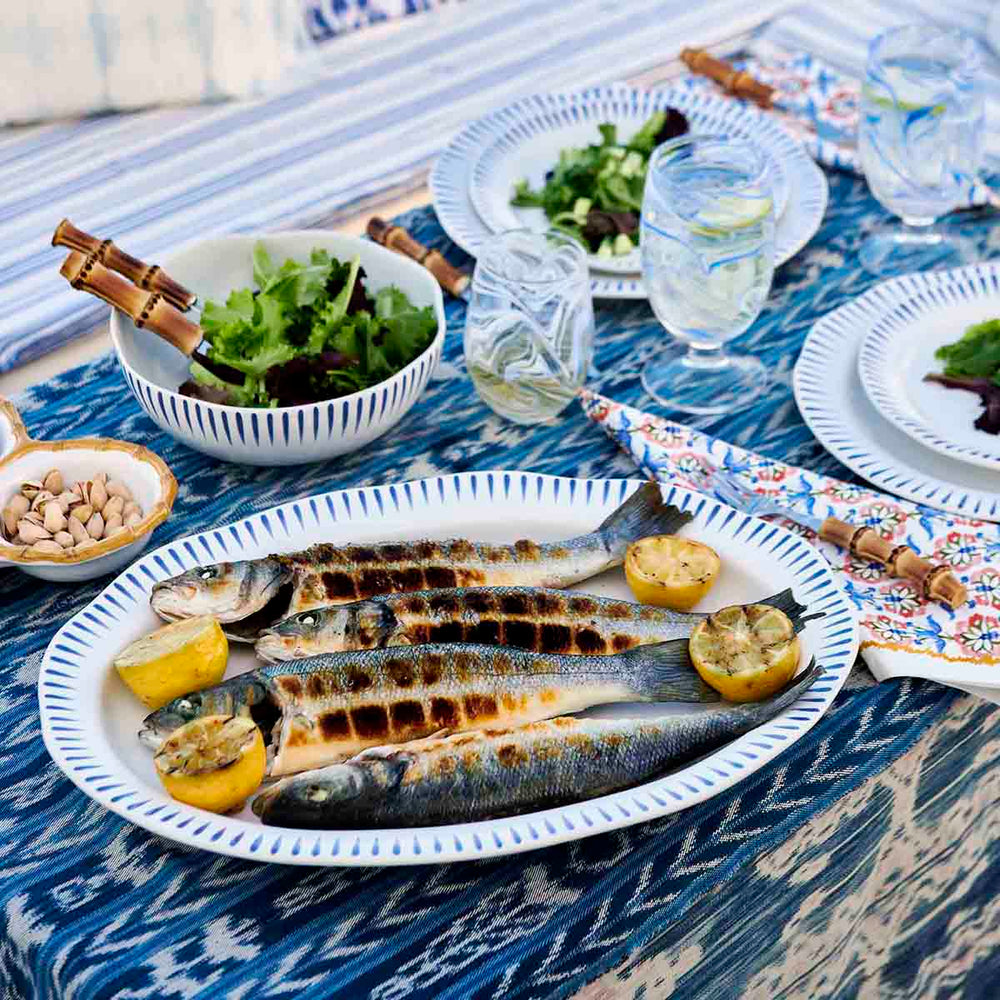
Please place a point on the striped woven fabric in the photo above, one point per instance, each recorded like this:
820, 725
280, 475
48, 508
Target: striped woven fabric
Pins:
368, 114
754, 893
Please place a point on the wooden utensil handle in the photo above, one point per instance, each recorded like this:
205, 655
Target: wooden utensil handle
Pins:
450, 278
936, 582
148, 276
734, 81
147, 309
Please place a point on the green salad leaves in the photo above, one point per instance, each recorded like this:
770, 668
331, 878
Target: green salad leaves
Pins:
594, 194
309, 332
973, 364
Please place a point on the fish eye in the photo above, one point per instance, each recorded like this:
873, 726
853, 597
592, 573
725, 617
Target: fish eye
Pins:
207, 573
316, 793
308, 619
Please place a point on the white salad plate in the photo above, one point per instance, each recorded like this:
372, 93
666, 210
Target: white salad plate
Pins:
450, 179
530, 144
90, 720
898, 352
835, 407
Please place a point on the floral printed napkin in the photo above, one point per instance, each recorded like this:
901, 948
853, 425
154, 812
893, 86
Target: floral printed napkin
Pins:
901, 634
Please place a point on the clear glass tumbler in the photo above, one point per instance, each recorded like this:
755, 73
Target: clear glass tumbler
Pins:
920, 139
707, 244
529, 329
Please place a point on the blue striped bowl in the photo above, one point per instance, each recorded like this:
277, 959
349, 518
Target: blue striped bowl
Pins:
290, 435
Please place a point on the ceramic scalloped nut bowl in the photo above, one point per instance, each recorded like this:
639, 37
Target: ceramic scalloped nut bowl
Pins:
146, 475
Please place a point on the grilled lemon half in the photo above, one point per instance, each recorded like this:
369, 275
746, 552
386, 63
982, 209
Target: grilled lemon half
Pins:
185, 656
746, 652
671, 572
214, 763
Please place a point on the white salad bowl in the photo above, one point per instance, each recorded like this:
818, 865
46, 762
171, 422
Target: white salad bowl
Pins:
289, 435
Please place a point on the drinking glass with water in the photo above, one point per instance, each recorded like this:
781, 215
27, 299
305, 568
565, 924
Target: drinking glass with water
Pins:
707, 245
920, 141
529, 329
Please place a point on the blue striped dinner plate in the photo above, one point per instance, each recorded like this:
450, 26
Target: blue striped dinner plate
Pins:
835, 406
90, 720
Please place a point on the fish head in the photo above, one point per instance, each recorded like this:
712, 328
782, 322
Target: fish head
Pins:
363, 625
226, 591
312, 800
233, 697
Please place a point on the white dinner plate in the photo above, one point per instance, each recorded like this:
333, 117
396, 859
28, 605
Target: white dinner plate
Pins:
898, 352
529, 144
834, 405
90, 720
450, 178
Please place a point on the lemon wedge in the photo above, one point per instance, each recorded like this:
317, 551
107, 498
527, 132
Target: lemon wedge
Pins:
214, 763
730, 214
671, 572
747, 652
185, 656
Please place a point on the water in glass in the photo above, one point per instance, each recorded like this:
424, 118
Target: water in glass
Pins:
529, 331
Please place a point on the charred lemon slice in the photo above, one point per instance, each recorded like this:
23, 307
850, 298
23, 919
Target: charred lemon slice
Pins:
214, 763
746, 652
185, 656
670, 572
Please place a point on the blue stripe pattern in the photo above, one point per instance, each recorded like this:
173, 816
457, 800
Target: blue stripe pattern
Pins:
93, 907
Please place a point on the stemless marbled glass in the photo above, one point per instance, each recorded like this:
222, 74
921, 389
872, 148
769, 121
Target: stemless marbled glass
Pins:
529, 329
920, 140
707, 243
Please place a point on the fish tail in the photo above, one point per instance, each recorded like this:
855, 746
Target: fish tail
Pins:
785, 602
662, 671
643, 514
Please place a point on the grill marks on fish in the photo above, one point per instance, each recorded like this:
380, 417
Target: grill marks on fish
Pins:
500, 771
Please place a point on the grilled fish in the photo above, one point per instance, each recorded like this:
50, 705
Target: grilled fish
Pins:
533, 618
245, 596
325, 709
501, 772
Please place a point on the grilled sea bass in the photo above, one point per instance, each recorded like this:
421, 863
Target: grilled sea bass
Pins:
532, 618
246, 596
501, 772
324, 709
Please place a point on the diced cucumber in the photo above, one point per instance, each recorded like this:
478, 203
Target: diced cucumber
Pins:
618, 152
622, 245
606, 249
580, 209
631, 165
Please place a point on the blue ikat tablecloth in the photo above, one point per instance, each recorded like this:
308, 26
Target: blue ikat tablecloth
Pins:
860, 863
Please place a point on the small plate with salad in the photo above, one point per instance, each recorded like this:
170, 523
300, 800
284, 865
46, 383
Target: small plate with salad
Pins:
931, 364
582, 170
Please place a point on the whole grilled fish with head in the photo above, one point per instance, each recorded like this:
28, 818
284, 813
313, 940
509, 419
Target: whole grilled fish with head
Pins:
325, 709
534, 618
281, 585
501, 772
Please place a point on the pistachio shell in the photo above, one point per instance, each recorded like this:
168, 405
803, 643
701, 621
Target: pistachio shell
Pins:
115, 505
131, 507
19, 504
48, 546
101, 477
40, 498
30, 488
82, 512
95, 526
31, 533
10, 520
67, 499
34, 517
119, 489
55, 519
98, 496
65, 539
112, 522
111, 532
77, 530
53, 481
87, 543
133, 520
